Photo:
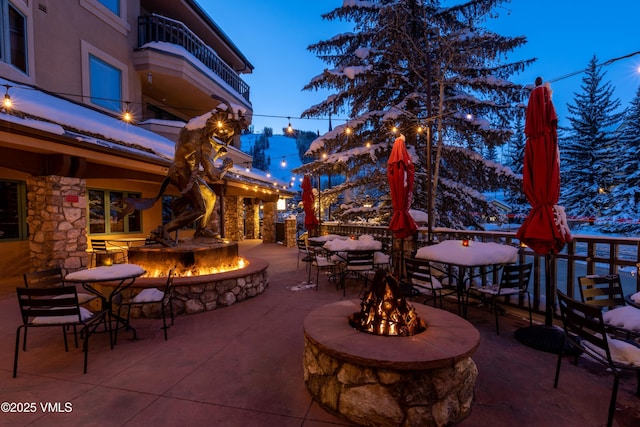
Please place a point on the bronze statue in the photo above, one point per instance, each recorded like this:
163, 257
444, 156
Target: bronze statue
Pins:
201, 142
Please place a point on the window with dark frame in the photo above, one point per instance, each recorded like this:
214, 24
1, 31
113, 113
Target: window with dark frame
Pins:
102, 201
13, 36
13, 215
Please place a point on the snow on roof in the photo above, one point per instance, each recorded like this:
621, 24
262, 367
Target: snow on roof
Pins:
60, 116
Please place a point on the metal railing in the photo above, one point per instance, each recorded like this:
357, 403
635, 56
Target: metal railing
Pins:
585, 254
156, 28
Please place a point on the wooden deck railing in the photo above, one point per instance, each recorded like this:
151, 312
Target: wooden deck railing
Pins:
585, 254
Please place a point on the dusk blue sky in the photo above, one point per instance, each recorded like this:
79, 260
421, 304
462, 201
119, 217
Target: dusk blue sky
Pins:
564, 35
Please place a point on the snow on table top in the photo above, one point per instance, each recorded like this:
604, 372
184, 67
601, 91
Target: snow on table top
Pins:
363, 243
106, 273
477, 253
328, 237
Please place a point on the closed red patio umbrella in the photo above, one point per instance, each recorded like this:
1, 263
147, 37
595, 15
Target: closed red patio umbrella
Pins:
545, 229
310, 220
401, 175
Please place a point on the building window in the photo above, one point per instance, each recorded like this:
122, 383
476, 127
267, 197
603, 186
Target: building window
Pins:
103, 201
112, 5
13, 217
13, 36
106, 84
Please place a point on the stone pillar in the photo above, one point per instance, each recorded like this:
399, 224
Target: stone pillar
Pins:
233, 218
57, 218
269, 216
290, 232
252, 215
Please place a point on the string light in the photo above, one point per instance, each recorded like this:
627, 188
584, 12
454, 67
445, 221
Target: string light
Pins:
126, 115
289, 127
6, 103
420, 129
283, 163
394, 129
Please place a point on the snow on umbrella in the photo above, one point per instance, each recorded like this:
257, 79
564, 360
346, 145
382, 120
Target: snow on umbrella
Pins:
545, 229
310, 221
400, 172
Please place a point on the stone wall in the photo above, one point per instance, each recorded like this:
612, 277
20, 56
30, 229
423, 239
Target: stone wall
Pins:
370, 396
290, 232
233, 218
57, 218
269, 216
252, 219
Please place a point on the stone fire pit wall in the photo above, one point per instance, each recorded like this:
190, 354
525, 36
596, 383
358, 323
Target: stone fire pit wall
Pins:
423, 380
203, 293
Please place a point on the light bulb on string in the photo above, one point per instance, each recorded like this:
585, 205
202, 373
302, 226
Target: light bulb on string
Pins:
420, 129
127, 117
283, 163
6, 103
394, 129
289, 127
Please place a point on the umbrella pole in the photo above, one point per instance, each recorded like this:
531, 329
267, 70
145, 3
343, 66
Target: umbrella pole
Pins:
547, 337
549, 275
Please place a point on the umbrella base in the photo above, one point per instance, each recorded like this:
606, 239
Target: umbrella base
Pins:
545, 338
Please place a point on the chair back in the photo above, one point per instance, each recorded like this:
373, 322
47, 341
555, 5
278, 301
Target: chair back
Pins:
583, 323
302, 245
56, 305
168, 286
516, 276
44, 279
98, 245
602, 291
418, 270
360, 260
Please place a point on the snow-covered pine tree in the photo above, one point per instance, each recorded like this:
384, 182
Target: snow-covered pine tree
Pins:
516, 198
623, 213
412, 63
588, 157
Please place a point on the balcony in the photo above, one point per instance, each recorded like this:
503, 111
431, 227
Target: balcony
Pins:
156, 28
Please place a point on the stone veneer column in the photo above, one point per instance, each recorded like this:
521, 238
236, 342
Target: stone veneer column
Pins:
290, 232
233, 218
269, 215
252, 210
57, 218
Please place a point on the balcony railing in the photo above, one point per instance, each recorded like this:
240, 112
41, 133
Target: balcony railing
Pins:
156, 28
583, 255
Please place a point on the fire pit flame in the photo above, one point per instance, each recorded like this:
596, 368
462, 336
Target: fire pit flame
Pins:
160, 270
384, 311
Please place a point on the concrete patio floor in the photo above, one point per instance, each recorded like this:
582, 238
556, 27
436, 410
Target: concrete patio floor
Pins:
242, 366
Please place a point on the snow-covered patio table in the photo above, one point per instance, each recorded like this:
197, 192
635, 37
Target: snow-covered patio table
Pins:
363, 243
320, 240
121, 275
462, 259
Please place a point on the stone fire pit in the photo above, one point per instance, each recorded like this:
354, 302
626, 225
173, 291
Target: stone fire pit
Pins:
425, 379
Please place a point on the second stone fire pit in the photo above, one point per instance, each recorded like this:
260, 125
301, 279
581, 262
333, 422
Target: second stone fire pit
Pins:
391, 363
